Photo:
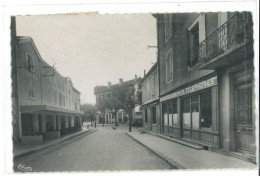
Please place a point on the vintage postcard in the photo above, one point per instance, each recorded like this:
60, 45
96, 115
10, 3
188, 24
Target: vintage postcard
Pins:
149, 91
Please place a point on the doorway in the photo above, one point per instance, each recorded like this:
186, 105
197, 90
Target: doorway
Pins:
243, 117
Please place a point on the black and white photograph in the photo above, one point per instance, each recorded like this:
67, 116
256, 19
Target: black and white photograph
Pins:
128, 92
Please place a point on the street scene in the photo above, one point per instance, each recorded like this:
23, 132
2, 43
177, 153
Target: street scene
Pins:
133, 92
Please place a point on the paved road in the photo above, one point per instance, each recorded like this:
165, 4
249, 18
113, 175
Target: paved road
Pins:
105, 149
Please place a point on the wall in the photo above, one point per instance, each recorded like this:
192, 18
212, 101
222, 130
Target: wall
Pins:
24, 75
49, 87
182, 74
150, 87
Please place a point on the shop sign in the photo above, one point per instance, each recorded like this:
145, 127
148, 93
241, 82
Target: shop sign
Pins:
194, 88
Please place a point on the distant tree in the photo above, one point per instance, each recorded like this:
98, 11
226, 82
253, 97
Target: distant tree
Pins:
101, 107
113, 104
129, 98
89, 112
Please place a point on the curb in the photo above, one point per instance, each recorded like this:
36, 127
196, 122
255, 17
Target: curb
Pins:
172, 163
47, 146
194, 146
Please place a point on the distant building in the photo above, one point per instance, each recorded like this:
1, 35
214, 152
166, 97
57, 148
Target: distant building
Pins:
205, 63
49, 104
150, 100
103, 92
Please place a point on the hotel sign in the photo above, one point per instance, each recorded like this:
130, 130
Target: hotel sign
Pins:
194, 88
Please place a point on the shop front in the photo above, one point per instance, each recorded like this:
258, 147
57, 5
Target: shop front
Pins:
192, 113
151, 116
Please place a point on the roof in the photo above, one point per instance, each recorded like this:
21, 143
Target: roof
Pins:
36, 108
102, 89
150, 71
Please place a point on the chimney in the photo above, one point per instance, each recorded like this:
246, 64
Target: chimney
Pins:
120, 81
135, 77
144, 72
108, 84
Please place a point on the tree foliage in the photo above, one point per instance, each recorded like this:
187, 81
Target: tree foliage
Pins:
89, 111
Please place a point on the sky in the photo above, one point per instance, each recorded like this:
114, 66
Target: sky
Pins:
93, 49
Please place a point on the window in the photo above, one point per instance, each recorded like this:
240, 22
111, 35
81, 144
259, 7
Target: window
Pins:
60, 99
174, 113
195, 35
29, 63
186, 113
197, 111
145, 116
194, 45
167, 26
169, 66
206, 110
154, 114
31, 93
165, 114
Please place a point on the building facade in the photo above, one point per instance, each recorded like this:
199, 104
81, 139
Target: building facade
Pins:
105, 92
205, 63
150, 100
49, 105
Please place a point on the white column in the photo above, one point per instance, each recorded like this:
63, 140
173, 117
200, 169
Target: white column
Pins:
66, 121
35, 123
58, 123
43, 123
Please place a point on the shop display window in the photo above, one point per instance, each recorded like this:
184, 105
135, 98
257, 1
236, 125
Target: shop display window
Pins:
206, 110
170, 113
195, 112
174, 113
186, 113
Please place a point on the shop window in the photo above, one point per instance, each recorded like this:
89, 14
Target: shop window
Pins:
154, 114
206, 109
170, 113
145, 116
165, 114
174, 113
186, 113
195, 111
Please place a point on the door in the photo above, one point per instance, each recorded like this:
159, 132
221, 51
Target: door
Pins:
243, 117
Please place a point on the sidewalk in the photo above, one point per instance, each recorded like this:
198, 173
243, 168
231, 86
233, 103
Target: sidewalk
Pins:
21, 149
184, 157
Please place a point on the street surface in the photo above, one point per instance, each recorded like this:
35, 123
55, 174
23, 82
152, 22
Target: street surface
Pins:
105, 149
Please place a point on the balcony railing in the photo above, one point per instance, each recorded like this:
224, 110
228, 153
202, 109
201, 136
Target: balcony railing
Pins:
232, 33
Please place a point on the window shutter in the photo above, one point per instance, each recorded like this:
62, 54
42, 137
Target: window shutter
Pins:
202, 32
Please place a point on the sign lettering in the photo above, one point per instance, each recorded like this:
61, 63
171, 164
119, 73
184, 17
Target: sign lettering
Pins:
194, 88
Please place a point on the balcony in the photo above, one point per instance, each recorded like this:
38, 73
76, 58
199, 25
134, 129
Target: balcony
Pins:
230, 43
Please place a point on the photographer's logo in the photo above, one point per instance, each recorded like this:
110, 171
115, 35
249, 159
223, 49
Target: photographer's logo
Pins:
25, 168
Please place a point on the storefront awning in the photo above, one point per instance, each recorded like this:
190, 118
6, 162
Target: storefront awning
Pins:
36, 108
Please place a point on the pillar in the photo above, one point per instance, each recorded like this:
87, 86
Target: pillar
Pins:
35, 124
226, 108
53, 122
58, 122
43, 123
66, 121
72, 121
179, 114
